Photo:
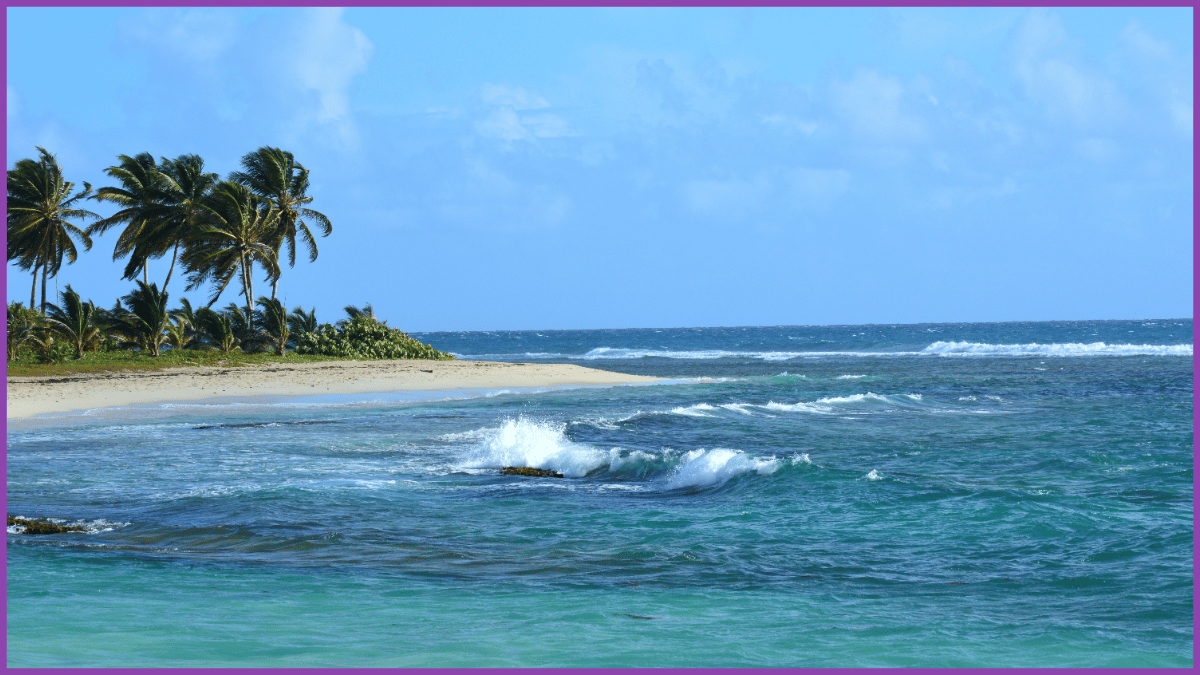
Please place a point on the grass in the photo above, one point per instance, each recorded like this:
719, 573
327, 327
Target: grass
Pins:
130, 362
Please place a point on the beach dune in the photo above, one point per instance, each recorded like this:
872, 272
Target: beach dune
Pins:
29, 396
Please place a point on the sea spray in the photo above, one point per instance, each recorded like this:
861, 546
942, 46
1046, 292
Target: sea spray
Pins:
700, 468
523, 442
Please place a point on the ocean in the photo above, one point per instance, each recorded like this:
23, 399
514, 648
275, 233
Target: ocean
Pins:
934, 495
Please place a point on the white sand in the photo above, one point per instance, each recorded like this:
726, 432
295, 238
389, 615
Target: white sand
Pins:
28, 396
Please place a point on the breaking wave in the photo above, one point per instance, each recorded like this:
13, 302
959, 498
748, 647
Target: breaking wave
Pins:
544, 445
936, 349
1064, 349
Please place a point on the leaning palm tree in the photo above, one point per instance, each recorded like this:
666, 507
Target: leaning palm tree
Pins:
143, 205
234, 236
40, 206
74, 320
186, 186
147, 316
275, 175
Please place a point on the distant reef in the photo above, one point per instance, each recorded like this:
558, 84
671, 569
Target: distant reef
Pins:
526, 471
42, 526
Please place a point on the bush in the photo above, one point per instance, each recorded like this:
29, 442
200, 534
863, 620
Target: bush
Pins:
362, 337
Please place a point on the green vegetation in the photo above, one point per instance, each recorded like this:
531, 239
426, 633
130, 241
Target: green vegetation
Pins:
364, 337
216, 230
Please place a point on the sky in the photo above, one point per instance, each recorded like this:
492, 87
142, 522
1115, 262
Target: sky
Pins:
656, 167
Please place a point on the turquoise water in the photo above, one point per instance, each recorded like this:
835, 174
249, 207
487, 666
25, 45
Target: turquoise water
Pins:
930, 495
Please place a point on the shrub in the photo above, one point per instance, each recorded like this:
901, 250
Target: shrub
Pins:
363, 337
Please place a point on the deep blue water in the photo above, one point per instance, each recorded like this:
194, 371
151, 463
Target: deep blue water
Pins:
1013, 494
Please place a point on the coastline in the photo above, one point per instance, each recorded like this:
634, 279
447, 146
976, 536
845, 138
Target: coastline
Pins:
31, 396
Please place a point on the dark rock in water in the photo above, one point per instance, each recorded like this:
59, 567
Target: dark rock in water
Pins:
526, 471
42, 526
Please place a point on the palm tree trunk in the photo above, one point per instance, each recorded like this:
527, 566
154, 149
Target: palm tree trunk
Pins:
274, 285
146, 272
45, 272
172, 267
248, 286
33, 291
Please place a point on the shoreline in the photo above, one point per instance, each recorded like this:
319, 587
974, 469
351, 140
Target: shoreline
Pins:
31, 396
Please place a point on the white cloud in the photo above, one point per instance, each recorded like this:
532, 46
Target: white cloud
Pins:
327, 54
873, 106
197, 35
505, 122
1068, 90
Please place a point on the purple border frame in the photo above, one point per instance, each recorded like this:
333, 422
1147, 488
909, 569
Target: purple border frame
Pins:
617, 3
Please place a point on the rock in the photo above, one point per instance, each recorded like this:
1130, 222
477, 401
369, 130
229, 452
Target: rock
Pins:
42, 526
526, 471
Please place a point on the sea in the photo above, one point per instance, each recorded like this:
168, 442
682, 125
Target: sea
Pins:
930, 495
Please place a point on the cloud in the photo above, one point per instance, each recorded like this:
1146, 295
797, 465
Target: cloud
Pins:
874, 107
287, 71
1069, 91
504, 121
327, 53
191, 34
1167, 79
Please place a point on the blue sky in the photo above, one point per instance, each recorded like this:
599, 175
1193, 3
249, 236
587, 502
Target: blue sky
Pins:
607, 168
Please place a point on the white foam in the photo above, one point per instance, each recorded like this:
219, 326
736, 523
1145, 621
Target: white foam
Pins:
694, 410
738, 407
714, 467
824, 406
1055, 349
853, 398
850, 377
873, 475
537, 445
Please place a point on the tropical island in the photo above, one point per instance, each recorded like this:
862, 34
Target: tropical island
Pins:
76, 354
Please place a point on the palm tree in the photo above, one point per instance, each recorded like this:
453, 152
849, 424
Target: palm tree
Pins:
275, 175
40, 204
22, 325
74, 320
217, 329
147, 315
186, 186
143, 206
300, 323
366, 311
234, 235
273, 320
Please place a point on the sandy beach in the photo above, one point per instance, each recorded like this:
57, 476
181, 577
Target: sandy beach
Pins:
29, 396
